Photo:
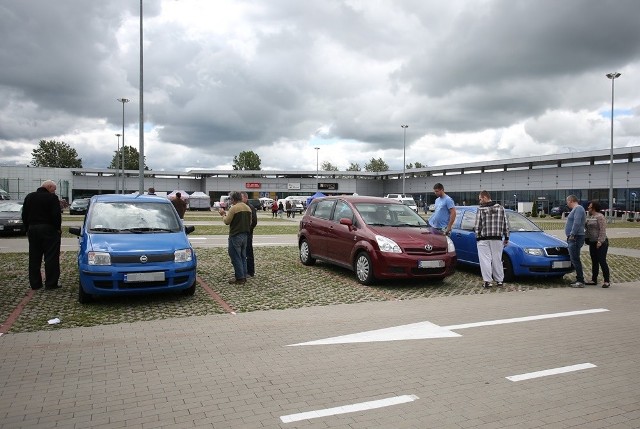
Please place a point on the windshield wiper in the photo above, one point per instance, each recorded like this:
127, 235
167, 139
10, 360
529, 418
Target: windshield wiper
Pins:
146, 229
103, 229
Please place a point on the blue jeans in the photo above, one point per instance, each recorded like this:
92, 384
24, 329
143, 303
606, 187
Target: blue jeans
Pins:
574, 253
238, 254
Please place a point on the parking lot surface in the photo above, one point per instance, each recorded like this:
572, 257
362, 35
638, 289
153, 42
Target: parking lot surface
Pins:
571, 356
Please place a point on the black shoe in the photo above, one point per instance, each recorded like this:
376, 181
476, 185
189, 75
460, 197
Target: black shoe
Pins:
37, 287
58, 286
486, 285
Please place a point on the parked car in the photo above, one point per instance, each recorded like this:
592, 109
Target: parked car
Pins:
530, 252
131, 244
254, 202
377, 238
79, 206
11, 218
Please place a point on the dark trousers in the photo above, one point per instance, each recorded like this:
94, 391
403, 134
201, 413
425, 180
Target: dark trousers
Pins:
599, 260
251, 267
44, 241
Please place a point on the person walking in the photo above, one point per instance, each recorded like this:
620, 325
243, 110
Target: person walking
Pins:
491, 227
251, 266
179, 204
574, 230
274, 209
239, 220
596, 238
43, 222
445, 213
151, 191
288, 208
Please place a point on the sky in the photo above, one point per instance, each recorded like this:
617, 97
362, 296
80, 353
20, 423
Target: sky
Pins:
473, 80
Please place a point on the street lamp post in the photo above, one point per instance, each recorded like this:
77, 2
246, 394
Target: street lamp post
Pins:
117, 165
613, 76
404, 154
515, 201
141, 119
633, 195
123, 101
317, 153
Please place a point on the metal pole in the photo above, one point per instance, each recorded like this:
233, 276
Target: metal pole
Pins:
613, 77
141, 126
404, 154
117, 165
317, 153
123, 101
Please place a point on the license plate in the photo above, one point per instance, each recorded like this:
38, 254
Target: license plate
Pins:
144, 277
1, 227
431, 264
561, 264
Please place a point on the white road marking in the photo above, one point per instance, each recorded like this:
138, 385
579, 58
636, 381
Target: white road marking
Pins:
362, 406
553, 371
525, 319
426, 330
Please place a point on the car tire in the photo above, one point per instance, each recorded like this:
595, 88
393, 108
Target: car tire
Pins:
364, 269
83, 297
305, 254
507, 267
190, 290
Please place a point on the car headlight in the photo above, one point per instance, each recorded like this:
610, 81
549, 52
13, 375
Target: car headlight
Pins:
14, 222
183, 255
533, 251
387, 245
99, 258
450, 246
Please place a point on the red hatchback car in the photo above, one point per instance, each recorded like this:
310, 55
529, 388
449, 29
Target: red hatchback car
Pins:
377, 238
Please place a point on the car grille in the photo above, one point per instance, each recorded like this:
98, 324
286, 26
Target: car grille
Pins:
135, 259
421, 251
557, 251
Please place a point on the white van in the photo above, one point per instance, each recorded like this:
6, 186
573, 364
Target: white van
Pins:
404, 199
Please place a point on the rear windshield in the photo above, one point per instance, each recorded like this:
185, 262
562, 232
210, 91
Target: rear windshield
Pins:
133, 216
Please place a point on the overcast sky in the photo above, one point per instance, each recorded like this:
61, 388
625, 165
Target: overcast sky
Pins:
474, 80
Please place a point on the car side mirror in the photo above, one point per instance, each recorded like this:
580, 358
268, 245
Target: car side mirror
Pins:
189, 229
75, 230
346, 221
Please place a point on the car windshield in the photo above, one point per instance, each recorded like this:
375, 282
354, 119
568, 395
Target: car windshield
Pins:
133, 217
408, 202
10, 207
382, 214
80, 203
517, 222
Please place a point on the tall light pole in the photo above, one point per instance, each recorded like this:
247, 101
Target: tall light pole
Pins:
613, 76
117, 165
123, 101
317, 153
141, 125
404, 154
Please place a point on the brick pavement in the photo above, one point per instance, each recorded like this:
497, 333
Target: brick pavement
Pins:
235, 371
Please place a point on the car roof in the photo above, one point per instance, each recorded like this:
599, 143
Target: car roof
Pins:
475, 208
119, 198
353, 199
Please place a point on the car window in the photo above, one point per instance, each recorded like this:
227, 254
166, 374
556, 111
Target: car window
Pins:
342, 210
389, 214
517, 222
133, 215
10, 207
323, 209
468, 220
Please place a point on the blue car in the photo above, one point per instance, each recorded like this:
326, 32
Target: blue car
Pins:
530, 252
133, 244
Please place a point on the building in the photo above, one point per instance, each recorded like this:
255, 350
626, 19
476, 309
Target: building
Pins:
546, 180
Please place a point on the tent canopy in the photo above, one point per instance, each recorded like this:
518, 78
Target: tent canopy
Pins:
314, 196
183, 195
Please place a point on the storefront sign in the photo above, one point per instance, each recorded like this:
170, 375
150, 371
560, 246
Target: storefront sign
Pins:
252, 185
291, 186
328, 186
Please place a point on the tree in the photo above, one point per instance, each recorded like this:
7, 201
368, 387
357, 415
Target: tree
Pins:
376, 165
354, 167
409, 166
246, 160
55, 154
327, 166
419, 165
131, 159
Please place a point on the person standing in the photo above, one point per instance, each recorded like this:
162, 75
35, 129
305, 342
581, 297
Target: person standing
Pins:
490, 228
574, 230
288, 208
274, 209
179, 204
596, 237
152, 191
239, 220
251, 266
43, 222
445, 213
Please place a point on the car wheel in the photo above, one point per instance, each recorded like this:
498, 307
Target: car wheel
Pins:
364, 269
507, 266
305, 253
190, 290
83, 297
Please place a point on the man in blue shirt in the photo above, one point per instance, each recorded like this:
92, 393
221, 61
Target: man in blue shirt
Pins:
445, 214
574, 230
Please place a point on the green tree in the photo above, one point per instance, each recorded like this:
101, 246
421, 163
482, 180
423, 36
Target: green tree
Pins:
55, 154
246, 160
409, 166
327, 166
131, 159
534, 209
354, 167
419, 165
376, 165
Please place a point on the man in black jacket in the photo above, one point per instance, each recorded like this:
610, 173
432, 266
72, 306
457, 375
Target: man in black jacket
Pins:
43, 221
251, 266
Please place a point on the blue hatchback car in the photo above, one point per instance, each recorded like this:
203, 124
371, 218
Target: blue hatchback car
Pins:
132, 244
530, 252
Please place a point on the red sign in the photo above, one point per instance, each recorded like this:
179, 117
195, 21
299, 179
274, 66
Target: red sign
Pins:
252, 185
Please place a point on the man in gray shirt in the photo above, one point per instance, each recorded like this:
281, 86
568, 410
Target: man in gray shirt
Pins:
574, 230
